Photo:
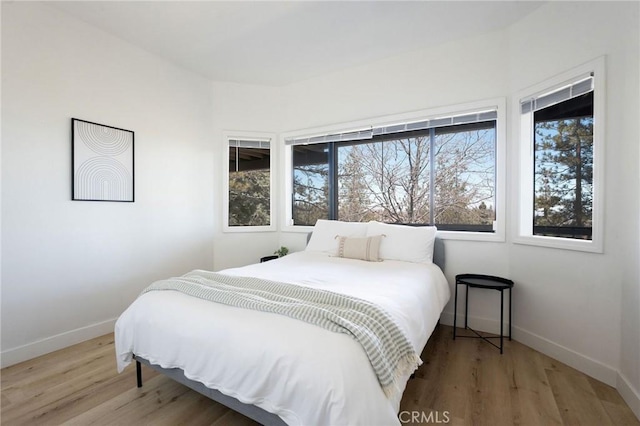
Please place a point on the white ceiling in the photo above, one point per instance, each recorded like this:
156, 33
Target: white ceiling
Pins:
279, 43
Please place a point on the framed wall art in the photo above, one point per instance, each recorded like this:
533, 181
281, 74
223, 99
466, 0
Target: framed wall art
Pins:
102, 162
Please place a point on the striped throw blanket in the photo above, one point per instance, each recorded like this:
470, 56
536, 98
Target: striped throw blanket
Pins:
389, 351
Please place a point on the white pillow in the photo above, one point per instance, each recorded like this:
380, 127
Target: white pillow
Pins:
325, 231
406, 243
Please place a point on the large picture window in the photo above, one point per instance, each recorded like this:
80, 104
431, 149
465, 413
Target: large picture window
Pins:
440, 171
561, 157
248, 183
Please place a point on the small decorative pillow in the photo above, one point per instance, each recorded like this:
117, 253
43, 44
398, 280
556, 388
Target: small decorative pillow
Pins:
367, 248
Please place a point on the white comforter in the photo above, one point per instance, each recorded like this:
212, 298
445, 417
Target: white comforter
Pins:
301, 372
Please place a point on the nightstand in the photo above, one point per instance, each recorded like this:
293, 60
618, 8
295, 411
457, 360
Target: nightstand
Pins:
488, 282
267, 258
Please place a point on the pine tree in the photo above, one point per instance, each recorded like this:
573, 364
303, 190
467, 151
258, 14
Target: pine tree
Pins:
564, 172
249, 198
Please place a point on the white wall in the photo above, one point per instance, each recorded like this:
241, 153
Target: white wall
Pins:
579, 302
70, 267
629, 379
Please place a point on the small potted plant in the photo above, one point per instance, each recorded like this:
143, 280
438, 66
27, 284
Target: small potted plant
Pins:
282, 251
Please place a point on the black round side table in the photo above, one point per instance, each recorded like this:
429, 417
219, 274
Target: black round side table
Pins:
487, 282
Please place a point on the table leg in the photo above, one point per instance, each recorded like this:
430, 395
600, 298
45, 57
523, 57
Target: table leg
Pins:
466, 308
138, 374
510, 290
501, 317
455, 311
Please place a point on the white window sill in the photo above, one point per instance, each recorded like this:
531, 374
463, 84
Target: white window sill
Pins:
236, 229
559, 243
471, 236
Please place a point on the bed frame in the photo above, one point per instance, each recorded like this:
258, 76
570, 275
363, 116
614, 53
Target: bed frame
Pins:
253, 412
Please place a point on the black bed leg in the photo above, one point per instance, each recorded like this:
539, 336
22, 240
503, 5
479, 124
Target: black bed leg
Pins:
139, 373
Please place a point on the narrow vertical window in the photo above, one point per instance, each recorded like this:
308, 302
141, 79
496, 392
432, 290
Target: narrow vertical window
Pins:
561, 161
248, 184
563, 172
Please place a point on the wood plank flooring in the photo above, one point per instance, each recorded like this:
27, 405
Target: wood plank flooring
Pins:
462, 382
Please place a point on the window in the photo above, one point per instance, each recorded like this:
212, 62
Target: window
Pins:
248, 183
438, 171
560, 199
563, 168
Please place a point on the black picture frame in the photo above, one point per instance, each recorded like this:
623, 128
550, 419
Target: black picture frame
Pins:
102, 162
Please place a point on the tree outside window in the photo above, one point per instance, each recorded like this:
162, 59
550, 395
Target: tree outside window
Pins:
248, 186
563, 199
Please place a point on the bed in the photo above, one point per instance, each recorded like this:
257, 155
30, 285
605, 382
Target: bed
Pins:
279, 370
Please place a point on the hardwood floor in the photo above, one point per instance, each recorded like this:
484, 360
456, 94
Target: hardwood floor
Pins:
466, 382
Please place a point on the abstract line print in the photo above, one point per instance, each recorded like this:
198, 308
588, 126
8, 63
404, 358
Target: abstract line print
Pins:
102, 162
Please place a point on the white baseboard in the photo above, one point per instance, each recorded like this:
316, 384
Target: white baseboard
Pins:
580, 362
53, 343
630, 395
588, 366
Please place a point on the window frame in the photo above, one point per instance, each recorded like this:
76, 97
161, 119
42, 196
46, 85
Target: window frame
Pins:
499, 104
523, 134
250, 136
